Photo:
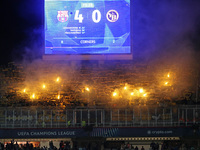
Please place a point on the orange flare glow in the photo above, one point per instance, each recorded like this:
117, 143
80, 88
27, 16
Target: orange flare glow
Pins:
168, 75
141, 90
114, 94
58, 79
87, 89
144, 95
33, 96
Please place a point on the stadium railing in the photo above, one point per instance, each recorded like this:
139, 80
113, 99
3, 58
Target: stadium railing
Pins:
138, 116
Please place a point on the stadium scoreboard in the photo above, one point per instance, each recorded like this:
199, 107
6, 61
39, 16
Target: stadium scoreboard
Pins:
87, 27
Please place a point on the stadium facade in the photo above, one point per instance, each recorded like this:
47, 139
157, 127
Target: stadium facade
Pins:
111, 127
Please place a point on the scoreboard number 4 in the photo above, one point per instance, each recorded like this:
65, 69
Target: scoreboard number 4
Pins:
96, 16
78, 16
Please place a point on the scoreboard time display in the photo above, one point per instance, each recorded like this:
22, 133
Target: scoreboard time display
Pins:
87, 27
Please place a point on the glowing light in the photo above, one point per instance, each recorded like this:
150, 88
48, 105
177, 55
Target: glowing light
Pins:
168, 75
125, 88
166, 83
141, 90
43, 86
114, 94
58, 97
144, 95
33, 96
132, 93
24, 90
58, 79
87, 89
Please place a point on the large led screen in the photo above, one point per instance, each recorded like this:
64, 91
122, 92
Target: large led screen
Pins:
87, 27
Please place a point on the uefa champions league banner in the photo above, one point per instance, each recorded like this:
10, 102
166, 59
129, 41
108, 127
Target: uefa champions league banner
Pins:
96, 132
41, 133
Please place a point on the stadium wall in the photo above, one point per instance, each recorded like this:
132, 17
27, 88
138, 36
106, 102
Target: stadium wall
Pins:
112, 132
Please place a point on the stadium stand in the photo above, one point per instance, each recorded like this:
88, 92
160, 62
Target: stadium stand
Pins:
179, 88
100, 100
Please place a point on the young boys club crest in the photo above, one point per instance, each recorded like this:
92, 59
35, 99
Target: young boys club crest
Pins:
62, 16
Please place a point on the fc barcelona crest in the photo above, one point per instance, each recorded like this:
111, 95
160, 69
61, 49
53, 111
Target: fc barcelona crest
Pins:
62, 16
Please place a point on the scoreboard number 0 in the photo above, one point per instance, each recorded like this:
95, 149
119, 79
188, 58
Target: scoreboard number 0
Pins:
96, 16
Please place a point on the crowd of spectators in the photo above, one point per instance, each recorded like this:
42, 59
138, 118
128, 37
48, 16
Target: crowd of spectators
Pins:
29, 146
16, 146
102, 80
65, 145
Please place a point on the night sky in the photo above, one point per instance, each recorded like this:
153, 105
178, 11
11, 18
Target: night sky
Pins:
21, 28
161, 29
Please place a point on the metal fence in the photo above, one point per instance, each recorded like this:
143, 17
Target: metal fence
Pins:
138, 116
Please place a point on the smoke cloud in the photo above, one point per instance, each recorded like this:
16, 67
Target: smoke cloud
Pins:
165, 29
166, 37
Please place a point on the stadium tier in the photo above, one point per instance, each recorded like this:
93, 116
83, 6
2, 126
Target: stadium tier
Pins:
111, 84
112, 102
